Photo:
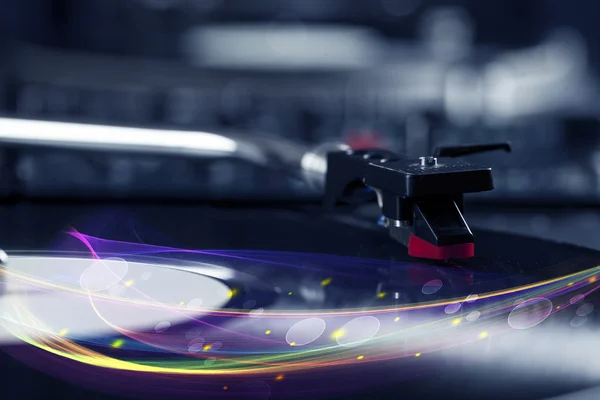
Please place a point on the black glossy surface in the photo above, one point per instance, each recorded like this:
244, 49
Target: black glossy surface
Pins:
304, 230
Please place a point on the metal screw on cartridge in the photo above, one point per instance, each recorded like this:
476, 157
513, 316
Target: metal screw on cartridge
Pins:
428, 161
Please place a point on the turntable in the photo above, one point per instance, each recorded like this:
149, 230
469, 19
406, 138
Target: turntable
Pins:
258, 210
225, 299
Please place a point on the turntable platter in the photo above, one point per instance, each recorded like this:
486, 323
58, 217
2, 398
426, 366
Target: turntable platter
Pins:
120, 305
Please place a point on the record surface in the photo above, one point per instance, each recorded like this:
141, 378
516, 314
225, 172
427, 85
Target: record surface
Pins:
181, 302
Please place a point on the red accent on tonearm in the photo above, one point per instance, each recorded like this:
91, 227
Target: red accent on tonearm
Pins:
420, 248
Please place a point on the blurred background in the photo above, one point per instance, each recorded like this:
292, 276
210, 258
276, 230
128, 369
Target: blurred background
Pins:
403, 74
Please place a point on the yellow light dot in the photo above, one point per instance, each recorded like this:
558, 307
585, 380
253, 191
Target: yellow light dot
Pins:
289, 293
207, 347
381, 295
456, 321
225, 388
129, 283
557, 307
232, 292
279, 377
118, 343
268, 332
63, 332
326, 281
360, 357
593, 279
483, 335
337, 334
418, 355
181, 303
570, 284
396, 319
293, 344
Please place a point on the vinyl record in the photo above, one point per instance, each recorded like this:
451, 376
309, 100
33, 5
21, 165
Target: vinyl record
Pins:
259, 303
